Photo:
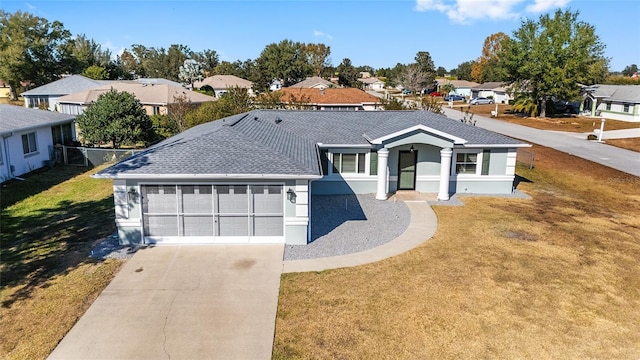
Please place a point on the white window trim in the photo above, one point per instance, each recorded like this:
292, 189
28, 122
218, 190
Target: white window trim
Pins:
454, 162
367, 163
35, 144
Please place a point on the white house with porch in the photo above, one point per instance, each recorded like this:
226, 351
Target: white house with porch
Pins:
252, 177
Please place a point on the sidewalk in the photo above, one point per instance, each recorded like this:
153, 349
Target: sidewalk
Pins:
624, 160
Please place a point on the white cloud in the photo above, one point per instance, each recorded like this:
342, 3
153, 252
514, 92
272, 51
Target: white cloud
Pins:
540, 6
466, 11
317, 33
115, 50
31, 7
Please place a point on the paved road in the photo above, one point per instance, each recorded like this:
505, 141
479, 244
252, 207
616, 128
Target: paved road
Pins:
184, 302
611, 156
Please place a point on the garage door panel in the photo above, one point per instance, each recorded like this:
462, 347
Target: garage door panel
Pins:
197, 225
197, 199
160, 225
233, 225
267, 226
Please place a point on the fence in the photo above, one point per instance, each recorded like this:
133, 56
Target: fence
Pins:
90, 157
525, 157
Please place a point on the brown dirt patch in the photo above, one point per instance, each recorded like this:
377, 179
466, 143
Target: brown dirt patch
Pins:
632, 144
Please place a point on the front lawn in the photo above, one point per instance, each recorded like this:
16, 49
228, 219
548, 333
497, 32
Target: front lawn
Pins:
49, 223
556, 276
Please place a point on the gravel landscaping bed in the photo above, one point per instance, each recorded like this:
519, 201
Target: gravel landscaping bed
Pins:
109, 248
344, 224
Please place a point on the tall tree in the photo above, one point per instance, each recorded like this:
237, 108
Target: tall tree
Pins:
86, 52
32, 49
463, 71
441, 71
548, 58
487, 67
347, 74
318, 57
426, 66
116, 117
208, 60
96, 72
236, 101
286, 61
414, 78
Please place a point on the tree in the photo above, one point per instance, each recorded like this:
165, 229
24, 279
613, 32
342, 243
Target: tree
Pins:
441, 71
32, 49
208, 60
318, 57
116, 117
347, 74
178, 110
426, 67
190, 71
161, 63
393, 104
630, 70
547, 59
86, 52
235, 101
463, 71
286, 61
96, 72
414, 79
487, 67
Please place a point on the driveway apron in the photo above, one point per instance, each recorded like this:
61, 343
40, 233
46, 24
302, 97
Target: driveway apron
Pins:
184, 302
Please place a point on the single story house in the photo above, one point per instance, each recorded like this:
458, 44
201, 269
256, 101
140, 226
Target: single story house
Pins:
495, 90
249, 178
154, 98
372, 83
618, 102
46, 96
314, 82
221, 83
461, 87
28, 136
331, 99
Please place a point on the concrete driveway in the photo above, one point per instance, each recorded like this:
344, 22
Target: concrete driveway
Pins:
184, 302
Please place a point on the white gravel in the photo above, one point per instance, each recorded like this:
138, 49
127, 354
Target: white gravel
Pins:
344, 224
109, 248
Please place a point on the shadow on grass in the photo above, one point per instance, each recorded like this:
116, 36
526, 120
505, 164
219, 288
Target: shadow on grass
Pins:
519, 179
35, 182
49, 243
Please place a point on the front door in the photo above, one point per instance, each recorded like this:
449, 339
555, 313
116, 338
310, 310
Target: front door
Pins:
407, 170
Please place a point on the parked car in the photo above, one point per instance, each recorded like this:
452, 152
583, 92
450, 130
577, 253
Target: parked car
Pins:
453, 97
406, 92
435, 93
480, 101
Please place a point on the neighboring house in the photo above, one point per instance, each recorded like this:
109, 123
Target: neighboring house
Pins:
495, 90
275, 85
221, 83
154, 98
46, 96
314, 82
331, 99
618, 102
249, 178
372, 83
28, 136
462, 87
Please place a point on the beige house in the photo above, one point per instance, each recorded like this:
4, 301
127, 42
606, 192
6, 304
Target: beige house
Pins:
336, 99
155, 98
220, 84
314, 82
372, 83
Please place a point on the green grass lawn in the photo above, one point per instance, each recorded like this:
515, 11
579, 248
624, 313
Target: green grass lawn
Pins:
49, 223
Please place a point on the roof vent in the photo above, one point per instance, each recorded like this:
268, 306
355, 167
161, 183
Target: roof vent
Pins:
278, 120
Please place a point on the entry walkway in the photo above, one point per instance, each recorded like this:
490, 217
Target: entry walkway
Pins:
422, 226
184, 302
611, 156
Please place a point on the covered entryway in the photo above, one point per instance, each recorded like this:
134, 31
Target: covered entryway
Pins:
407, 162
213, 213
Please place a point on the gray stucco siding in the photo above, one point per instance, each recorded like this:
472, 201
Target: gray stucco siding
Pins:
481, 185
498, 161
341, 186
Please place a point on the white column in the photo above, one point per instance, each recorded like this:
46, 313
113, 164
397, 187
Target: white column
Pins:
445, 170
383, 157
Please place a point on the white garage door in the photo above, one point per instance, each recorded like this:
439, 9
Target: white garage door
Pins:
213, 213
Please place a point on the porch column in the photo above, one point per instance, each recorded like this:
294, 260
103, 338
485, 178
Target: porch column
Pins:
445, 170
383, 159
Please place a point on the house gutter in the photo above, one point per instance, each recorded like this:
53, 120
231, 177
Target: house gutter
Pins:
207, 176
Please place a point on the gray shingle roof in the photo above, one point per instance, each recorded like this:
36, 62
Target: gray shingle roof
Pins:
64, 86
623, 93
283, 142
18, 118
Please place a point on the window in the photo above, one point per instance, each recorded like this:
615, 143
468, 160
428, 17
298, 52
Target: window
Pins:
373, 168
608, 106
349, 163
156, 110
625, 108
466, 163
29, 144
486, 158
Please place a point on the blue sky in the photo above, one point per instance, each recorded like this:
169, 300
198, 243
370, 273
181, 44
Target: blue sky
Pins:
378, 33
